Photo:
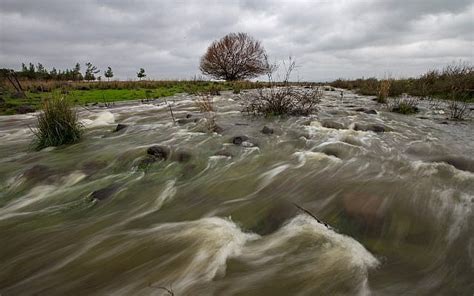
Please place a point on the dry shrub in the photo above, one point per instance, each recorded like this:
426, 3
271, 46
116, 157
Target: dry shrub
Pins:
403, 104
458, 110
383, 90
282, 98
205, 104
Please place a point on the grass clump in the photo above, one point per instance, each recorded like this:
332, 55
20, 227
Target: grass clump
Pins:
57, 124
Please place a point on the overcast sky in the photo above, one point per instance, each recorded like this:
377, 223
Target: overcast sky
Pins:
329, 39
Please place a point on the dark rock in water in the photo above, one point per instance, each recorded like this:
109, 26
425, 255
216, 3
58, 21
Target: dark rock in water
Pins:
238, 140
333, 124
459, 162
370, 127
104, 193
186, 120
23, 109
371, 111
158, 152
182, 156
120, 127
360, 110
444, 122
368, 211
267, 131
189, 115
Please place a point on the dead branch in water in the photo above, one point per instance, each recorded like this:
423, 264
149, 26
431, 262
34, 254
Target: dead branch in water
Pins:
312, 215
171, 111
169, 291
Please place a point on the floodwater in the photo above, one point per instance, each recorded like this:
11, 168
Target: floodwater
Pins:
325, 205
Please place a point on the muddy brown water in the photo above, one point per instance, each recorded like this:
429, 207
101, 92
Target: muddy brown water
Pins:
395, 208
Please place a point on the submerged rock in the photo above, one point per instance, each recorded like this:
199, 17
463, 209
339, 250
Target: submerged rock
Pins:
371, 111
120, 127
159, 152
186, 120
377, 128
238, 140
333, 124
104, 193
267, 131
459, 162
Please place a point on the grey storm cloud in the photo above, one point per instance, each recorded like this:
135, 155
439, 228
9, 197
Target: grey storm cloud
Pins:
329, 39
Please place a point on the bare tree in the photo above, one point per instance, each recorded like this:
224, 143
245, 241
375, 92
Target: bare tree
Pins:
234, 57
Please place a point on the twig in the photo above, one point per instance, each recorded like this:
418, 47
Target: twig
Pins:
171, 111
169, 291
312, 215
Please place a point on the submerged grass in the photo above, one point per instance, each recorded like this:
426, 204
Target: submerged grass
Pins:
57, 124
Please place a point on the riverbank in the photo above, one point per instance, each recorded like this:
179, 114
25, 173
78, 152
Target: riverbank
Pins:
94, 93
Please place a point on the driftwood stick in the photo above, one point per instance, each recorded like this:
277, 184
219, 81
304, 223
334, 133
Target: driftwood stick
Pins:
169, 291
311, 214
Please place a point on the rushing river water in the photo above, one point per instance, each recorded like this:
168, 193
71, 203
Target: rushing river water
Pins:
96, 218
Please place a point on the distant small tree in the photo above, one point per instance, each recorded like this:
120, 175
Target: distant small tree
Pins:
234, 57
76, 73
109, 74
91, 70
141, 74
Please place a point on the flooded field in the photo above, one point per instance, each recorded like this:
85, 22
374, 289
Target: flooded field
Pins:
350, 201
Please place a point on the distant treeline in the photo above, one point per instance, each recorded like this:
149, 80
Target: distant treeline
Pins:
453, 82
39, 72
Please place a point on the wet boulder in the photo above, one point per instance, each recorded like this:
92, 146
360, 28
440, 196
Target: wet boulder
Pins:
377, 128
183, 121
332, 124
371, 111
459, 162
238, 140
267, 130
158, 152
120, 127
